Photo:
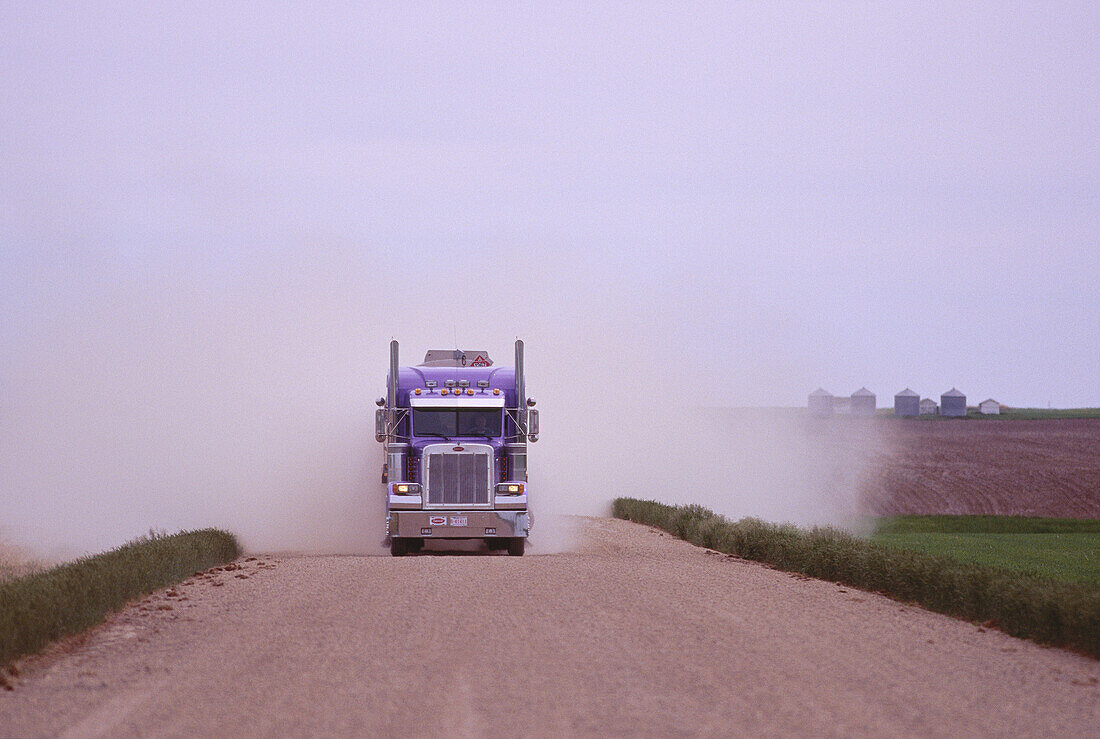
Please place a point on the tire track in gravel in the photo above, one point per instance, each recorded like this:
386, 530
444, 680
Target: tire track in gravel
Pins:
634, 633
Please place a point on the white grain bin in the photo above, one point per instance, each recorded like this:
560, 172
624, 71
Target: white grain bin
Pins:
863, 403
953, 404
907, 403
820, 403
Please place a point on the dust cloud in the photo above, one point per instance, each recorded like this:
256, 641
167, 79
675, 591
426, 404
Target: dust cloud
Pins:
245, 401
778, 464
212, 223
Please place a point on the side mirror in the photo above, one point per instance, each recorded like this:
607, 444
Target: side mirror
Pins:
530, 402
379, 425
533, 425
380, 402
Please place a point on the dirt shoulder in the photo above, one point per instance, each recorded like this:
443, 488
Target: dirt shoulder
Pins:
636, 633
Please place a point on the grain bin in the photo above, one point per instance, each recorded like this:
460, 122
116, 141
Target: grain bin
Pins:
820, 403
953, 404
928, 407
907, 403
863, 403
989, 407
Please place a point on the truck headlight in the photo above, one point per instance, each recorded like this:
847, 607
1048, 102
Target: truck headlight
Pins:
406, 488
510, 488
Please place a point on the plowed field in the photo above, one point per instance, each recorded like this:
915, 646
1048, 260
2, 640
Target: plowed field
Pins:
1048, 467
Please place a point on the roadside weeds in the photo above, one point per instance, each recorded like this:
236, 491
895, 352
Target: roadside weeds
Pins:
1043, 610
63, 600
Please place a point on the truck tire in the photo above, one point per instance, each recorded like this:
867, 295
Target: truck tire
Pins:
516, 545
398, 547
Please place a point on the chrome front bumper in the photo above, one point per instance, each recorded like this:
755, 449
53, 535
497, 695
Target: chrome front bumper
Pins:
458, 524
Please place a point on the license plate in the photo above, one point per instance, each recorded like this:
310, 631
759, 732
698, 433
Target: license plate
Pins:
458, 520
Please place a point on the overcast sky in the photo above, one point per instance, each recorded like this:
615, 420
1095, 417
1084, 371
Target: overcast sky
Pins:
800, 194
213, 219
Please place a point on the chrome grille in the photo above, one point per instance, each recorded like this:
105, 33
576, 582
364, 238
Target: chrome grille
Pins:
457, 480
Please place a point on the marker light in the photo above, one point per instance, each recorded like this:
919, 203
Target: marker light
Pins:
483, 383
469, 391
417, 391
464, 383
431, 383
449, 383
444, 391
496, 391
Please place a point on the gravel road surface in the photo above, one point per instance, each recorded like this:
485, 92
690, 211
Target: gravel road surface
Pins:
634, 633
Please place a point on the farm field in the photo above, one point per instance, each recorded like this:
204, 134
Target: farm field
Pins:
1039, 468
1006, 414
1061, 549
1035, 414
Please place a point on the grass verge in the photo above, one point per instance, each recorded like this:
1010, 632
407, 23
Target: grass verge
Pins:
1058, 548
985, 525
38, 608
1042, 609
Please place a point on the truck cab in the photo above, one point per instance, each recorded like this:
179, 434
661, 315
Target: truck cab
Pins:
456, 429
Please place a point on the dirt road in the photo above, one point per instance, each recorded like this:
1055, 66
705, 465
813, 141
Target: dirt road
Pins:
635, 633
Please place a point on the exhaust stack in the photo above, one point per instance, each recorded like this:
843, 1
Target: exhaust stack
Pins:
521, 397
396, 452
391, 386
517, 450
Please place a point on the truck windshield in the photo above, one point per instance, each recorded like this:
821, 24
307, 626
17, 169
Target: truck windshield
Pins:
448, 422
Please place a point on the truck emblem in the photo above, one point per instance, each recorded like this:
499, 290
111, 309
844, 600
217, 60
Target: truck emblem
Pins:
437, 521
480, 361
459, 448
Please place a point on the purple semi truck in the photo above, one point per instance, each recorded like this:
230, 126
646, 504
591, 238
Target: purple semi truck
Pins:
455, 430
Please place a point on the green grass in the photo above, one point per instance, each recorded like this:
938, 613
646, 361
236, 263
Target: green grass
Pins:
1043, 609
1058, 548
1073, 558
1026, 414
985, 525
40, 607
